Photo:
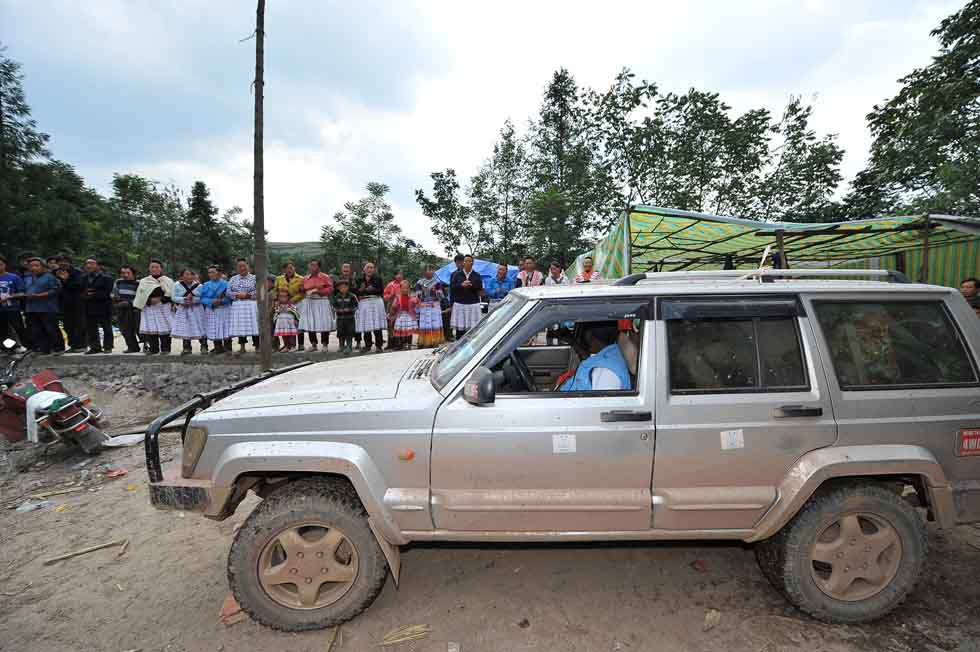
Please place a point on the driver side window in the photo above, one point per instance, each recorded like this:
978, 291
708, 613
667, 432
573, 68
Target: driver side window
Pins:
572, 348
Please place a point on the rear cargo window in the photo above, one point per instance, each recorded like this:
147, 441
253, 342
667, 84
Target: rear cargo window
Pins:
876, 345
761, 354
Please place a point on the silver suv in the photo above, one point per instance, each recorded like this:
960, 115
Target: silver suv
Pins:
822, 419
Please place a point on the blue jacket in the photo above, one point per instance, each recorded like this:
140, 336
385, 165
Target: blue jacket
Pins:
46, 282
210, 292
10, 283
608, 358
496, 290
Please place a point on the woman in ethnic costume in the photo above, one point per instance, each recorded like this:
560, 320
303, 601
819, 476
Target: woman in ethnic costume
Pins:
243, 318
216, 299
153, 299
315, 312
371, 318
188, 319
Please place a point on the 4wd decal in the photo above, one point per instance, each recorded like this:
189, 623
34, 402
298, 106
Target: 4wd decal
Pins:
969, 442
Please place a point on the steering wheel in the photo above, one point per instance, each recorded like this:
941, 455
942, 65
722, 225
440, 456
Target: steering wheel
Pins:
518, 363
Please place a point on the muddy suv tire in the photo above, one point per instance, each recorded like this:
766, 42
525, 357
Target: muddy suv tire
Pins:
306, 558
851, 555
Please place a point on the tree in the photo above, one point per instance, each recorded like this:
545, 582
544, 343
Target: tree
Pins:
454, 224
569, 180
805, 172
925, 155
631, 146
498, 197
206, 244
20, 140
366, 230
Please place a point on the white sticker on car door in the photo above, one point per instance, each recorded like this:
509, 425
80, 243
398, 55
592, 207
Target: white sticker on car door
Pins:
564, 443
731, 439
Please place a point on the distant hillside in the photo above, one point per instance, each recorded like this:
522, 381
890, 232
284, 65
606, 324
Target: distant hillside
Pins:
298, 250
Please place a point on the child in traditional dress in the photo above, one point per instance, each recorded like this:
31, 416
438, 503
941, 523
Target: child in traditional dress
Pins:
270, 290
216, 299
345, 307
430, 292
287, 320
188, 320
404, 317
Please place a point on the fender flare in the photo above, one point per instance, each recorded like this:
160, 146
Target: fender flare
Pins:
347, 460
816, 467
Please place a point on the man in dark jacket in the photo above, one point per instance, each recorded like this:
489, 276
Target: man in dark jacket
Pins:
96, 294
123, 295
72, 306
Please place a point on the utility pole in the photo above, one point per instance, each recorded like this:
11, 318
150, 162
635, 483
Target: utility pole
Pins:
258, 225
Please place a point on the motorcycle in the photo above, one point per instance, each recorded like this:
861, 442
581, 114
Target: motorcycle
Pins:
42, 411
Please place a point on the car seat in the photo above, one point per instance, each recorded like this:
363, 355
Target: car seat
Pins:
629, 346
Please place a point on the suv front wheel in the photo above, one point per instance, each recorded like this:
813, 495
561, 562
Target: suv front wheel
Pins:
306, 558
851, 555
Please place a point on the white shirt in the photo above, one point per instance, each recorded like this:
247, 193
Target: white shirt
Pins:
561, 280
605, 379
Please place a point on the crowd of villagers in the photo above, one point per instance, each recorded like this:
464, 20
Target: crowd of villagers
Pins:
51, 306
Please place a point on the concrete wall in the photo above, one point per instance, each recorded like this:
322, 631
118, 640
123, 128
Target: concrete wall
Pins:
171, 378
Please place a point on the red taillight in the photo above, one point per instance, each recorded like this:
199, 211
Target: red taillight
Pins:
85, 400
80, 427
43, 423
969, 442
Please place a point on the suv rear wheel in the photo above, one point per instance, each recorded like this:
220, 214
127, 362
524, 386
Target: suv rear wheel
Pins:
306, 558
851, 555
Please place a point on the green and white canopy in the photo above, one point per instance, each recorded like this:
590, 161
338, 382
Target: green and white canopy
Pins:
647, 238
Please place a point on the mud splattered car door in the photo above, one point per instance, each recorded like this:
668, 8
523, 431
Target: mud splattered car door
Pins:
539, 460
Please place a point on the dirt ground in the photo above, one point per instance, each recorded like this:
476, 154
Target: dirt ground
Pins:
164, 592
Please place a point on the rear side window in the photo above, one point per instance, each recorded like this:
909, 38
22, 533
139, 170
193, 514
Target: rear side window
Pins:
896, 344
760, 354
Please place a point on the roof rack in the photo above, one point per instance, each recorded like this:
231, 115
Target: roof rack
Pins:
764, 275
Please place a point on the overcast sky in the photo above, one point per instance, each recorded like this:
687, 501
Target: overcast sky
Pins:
390, 91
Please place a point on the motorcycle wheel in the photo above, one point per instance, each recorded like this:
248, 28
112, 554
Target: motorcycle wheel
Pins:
90, 440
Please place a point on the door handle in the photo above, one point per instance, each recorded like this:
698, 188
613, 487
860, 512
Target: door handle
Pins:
790, 411
625, 415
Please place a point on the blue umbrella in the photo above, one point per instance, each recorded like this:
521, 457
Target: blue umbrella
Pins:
487, 269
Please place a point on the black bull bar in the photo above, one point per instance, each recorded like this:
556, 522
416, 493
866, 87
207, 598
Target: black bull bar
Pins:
187, 410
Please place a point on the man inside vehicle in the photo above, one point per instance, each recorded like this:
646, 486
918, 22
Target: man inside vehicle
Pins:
605, 369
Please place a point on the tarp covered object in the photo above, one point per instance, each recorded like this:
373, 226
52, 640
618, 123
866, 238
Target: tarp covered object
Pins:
487, 269
648, 238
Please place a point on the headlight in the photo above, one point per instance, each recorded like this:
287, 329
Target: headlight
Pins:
194, 442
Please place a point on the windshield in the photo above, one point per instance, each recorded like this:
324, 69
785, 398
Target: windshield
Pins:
463, 350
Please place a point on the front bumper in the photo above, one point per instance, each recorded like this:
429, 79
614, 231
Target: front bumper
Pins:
186, 495
966, 501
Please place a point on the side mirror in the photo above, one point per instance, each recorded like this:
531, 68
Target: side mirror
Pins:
479, 388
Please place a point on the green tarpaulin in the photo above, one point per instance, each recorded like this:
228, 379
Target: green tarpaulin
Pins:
647, 238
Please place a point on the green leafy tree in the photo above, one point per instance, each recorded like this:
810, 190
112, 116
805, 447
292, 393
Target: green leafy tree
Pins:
568, 177
804, 172
455, 225
21, 141
925, 155
498, 197
366, 230
207, 244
